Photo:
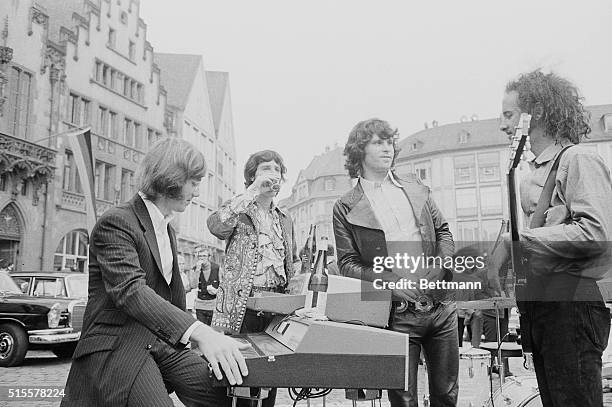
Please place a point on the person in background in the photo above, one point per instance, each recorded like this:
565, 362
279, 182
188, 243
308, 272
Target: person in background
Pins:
208, 285
190, 288
184, 275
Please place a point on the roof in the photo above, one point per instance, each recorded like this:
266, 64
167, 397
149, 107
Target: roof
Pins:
326, 164
217, 86
178, 71
478, 134
474, 134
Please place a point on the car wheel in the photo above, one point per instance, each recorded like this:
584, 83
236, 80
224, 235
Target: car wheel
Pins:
13, 345
65, 351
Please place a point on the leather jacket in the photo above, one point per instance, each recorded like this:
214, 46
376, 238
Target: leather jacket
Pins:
360, 238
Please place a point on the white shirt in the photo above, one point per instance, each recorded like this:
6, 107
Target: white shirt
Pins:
160, 225
394, 212
392, 209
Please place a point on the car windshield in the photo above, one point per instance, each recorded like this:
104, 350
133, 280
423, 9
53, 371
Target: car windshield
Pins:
8, 285
77, 286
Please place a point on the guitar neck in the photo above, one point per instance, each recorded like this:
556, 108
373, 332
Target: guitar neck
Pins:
517, 258
512, 205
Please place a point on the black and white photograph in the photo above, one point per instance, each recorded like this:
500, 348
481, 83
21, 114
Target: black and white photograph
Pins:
305, 203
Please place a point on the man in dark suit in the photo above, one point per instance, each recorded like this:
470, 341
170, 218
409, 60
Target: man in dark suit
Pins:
207, 287
132, 349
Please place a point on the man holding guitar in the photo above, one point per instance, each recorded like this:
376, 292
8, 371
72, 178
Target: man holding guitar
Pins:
563, 249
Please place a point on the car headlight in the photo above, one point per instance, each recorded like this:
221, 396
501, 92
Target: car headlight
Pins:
53, 317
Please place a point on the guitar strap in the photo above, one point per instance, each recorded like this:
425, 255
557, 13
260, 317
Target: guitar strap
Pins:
539, 216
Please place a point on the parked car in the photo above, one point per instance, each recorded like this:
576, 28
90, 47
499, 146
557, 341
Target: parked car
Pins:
52, 284
30, 322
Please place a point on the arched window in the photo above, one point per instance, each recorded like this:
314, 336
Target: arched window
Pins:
71, 252
10, 235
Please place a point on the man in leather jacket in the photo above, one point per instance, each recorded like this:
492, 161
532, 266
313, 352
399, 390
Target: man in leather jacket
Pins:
384, 215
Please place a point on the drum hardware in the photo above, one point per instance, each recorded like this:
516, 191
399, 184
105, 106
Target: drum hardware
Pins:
248, 393
516, 392
356, 395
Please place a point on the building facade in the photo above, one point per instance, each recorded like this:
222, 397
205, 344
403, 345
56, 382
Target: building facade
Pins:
113, 85
30, 76
312, 199
72, 64
199, 111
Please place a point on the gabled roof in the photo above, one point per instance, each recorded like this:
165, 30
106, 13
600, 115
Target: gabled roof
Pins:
478, 134
326, 164
217, 84
178, 71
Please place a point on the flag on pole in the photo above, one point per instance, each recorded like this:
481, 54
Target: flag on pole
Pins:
80, 144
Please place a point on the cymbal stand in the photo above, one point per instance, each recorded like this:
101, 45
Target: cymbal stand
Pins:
500, 361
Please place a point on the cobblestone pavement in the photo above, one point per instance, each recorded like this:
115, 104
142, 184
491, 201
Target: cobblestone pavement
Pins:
40, 369
43, 369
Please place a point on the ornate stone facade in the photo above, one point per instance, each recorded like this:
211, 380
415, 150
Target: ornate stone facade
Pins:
25, 161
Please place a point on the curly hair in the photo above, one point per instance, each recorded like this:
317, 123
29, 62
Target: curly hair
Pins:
250, 168
360, 136
564, 116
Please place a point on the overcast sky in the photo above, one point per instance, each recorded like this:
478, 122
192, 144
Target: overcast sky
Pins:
302, 73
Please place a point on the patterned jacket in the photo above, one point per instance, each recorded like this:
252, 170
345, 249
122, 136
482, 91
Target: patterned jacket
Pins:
241, 258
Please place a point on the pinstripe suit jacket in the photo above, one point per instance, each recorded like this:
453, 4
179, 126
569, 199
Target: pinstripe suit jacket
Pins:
130, 306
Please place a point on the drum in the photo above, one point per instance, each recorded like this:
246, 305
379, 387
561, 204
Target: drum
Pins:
473, 372
517, 392
478, 362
